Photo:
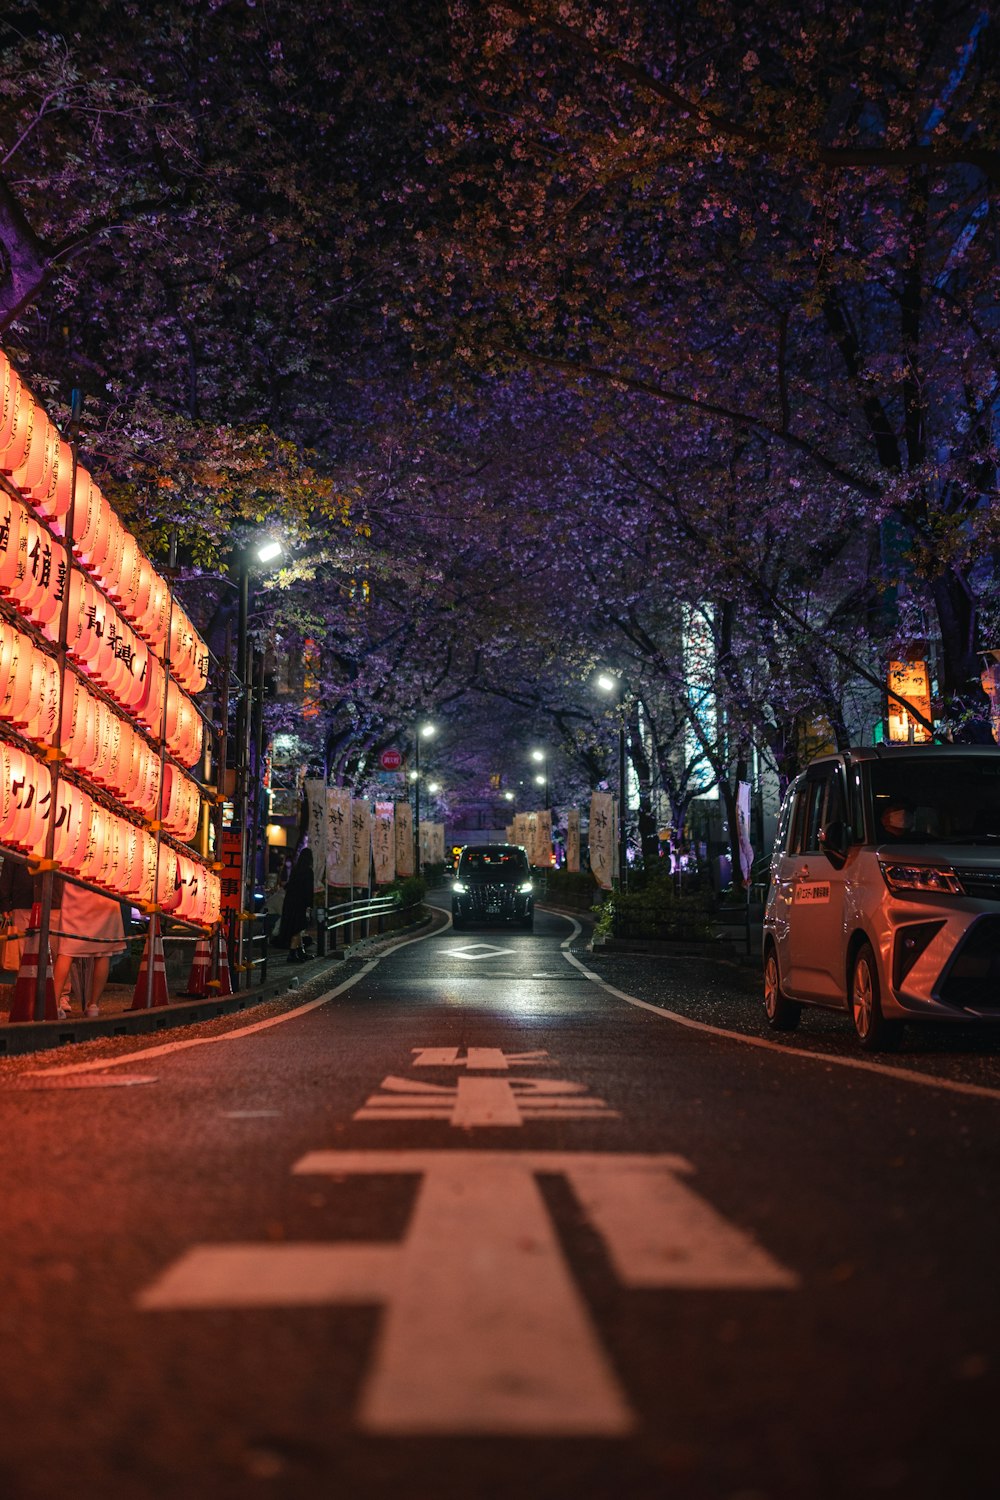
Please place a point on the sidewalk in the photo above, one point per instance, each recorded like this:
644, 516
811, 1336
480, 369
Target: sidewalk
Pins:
117, 1019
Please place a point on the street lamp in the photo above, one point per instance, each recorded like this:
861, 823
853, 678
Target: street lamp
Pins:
540, 757
609, 684
266, 551
426, 732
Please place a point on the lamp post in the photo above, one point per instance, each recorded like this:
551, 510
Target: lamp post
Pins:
426, 732
265, 552
540, 757
609, 684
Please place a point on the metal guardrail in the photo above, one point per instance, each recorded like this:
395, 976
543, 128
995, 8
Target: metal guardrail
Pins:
346, 916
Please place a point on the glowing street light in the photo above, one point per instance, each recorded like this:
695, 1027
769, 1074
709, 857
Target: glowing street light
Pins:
607, 683
424, 731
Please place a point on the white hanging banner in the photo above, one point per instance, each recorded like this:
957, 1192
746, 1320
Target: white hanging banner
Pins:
743, 829
437, 843
573, 840
543, 839
520, 832
404, 840
361, 841
316, 797
384, 843
602, 838
531, 836
338, 836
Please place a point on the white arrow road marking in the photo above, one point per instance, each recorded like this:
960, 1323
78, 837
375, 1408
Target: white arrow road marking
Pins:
483, 1330
476, 1059
473, 1102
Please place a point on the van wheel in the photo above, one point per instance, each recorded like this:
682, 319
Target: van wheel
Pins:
782, 1014
874, 1032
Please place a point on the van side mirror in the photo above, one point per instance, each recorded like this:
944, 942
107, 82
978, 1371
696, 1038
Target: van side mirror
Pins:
835, 840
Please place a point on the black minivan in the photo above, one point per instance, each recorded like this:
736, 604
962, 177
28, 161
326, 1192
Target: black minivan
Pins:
493, 884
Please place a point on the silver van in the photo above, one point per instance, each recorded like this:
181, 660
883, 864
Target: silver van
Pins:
884, 896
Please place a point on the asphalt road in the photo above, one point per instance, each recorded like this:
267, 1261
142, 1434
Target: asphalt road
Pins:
460, 1221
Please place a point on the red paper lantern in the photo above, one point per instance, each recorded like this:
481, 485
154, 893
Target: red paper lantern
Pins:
17, 437
13, 522
35, 472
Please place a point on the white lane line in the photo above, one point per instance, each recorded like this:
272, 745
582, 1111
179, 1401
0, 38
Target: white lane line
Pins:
860, 1064
207, 1041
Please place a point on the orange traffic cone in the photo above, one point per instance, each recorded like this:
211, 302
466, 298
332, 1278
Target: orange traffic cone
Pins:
22, 1006
223, 982
201, 970
145, 998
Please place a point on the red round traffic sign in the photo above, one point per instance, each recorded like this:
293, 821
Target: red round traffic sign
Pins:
390, 760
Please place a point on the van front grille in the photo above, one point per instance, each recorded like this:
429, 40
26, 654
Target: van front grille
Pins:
984, 884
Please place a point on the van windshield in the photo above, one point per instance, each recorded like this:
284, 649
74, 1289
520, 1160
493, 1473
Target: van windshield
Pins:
936, 800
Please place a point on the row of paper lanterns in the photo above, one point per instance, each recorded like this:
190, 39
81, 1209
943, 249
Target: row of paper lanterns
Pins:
33, 576
95, 740
39, 464
99, 846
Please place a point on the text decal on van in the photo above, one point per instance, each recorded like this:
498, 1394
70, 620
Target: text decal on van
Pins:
812, 892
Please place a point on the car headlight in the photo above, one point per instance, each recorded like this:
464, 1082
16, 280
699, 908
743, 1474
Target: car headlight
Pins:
460, 887
939, 879
526, 889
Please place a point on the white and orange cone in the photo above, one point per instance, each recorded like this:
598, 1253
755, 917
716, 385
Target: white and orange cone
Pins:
145, 998
22, 1006
201, 970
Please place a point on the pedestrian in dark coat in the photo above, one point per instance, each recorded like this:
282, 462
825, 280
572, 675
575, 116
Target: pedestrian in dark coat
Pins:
294, 911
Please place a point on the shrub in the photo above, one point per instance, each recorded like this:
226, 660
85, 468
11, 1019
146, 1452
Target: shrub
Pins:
659, 910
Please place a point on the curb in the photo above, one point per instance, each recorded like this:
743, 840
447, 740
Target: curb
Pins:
42, 1036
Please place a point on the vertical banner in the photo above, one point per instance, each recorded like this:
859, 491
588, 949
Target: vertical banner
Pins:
404, 840
520, 832
743, 829
531, 836
602, 838
426, 843
438, 843
384, 843
543, 839
508, 834
361, 841
315, 789
573, 840
338, 836
231, 859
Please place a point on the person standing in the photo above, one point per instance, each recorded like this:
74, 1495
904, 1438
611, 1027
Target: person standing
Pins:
295, 907
91, 927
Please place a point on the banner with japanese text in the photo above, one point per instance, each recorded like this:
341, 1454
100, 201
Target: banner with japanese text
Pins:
404, 840
315, 790
743, 830
384, 843
573, 840
602, 838
361, 841
531, 835
338, 836
520, 834
543, 839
